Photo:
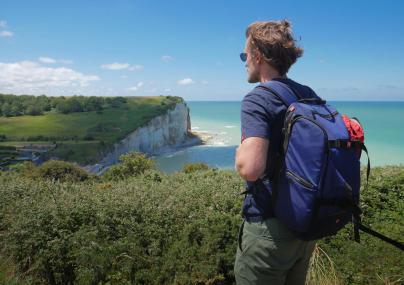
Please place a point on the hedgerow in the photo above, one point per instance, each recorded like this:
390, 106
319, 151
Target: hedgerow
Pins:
155, 228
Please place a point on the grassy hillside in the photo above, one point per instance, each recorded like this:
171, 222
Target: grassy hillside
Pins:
169, 229
82, 136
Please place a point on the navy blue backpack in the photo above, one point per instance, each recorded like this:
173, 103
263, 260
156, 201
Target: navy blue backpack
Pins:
316, 182
315, 175
316, 188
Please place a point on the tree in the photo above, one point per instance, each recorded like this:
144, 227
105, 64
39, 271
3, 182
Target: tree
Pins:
6, 110
62, 107
93, 104
117, 102
44, 103
132, 164
69, 106
34, 110
17, 108
74, 105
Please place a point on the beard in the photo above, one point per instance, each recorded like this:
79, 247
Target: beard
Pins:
253, 77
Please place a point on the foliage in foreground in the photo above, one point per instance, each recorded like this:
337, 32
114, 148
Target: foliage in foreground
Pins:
131, 164
192, 167
178, 229
55, 170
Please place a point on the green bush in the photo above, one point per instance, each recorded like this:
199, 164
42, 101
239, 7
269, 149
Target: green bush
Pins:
26, 168
132, 164
373, 261
192, 167
61, 171
155, 228
137, 231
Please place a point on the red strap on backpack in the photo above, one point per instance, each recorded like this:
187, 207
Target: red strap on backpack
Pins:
355, 130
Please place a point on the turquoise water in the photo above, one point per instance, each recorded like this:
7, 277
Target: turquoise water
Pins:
383, 123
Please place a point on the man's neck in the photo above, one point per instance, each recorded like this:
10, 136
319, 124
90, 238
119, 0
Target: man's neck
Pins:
270, 74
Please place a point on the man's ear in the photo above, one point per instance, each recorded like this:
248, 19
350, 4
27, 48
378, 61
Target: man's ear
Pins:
257, 56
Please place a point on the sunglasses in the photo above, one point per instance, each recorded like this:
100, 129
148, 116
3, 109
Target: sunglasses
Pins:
243, 56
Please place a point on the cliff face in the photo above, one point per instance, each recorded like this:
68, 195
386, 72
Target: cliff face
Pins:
160, 134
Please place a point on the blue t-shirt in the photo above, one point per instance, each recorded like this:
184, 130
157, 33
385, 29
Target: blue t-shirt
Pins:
262, 115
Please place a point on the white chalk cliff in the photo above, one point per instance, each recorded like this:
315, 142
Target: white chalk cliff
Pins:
162, 133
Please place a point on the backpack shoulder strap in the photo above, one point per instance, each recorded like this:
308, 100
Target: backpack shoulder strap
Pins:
280, 90
284, 93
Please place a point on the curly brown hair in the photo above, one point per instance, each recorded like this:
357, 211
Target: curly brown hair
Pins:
274, 40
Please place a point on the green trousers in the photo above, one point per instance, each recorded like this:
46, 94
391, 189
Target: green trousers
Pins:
271, 255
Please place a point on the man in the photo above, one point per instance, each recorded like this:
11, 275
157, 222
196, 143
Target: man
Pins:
268, 253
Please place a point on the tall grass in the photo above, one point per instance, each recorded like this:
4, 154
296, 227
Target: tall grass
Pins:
322, 270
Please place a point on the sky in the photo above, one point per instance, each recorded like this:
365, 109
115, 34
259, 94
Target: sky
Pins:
353, 50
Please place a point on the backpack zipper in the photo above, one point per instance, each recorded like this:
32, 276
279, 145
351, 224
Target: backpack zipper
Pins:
288, 130
299, 179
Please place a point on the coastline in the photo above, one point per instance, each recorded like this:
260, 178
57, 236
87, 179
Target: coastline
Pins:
194, 138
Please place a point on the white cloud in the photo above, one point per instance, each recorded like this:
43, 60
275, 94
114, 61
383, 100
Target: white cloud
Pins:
24, 76
135, 67
136, 87
167, 58
49, 60
121, 66
115, 66
133, 88
44, 59
168, 90
6, 34
205, 82
185, 81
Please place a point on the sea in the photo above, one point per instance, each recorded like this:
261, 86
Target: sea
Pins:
383, 123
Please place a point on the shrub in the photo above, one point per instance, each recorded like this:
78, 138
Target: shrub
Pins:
173, 230
192, 167
180, 229
26, 168
34, 110
132, 164
61, 171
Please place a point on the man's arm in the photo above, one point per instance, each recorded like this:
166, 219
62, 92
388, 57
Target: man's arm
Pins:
251, 158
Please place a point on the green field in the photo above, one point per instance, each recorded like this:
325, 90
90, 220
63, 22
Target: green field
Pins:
83, 136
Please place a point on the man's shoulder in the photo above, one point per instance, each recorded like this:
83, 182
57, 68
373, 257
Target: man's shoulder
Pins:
303, 90
261, 95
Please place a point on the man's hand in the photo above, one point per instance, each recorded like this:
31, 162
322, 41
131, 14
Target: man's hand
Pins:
251, 158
